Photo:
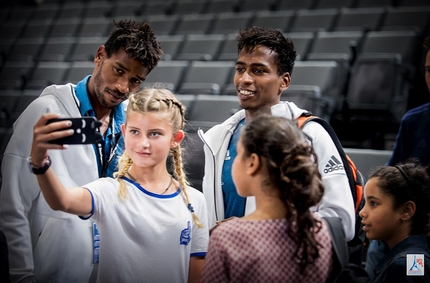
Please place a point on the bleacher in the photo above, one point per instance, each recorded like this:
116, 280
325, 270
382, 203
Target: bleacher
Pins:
358, 63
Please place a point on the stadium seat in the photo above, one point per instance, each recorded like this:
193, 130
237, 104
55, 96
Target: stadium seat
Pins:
206, 77
359, 19
230, 22
314, 20
47, 73
280, 20
57, 49
294, 4
86, 48
213, 108
203, 47
407, 18
78, 70
328, 4
162, 24
188, 7
170, 45
194, 24
167, 73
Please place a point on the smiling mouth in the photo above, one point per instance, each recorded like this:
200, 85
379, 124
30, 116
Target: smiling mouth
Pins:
246, 92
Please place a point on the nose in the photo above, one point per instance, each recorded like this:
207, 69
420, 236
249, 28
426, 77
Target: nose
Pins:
245, 78
145, 142
362, 212
122, 85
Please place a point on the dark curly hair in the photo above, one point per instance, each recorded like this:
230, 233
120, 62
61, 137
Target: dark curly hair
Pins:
413, 184
293, 169
285, 54
138, 40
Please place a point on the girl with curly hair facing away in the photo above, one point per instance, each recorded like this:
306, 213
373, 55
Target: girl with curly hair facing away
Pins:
152, 225
397, 213
282, 240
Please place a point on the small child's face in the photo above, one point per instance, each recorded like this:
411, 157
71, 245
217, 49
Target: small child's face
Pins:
148, 138
380, 220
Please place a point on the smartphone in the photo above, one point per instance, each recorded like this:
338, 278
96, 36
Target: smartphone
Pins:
86, 131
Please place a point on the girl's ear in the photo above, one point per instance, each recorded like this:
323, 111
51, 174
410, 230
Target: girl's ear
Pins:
253, 164
177, 138
123, 129
408, 210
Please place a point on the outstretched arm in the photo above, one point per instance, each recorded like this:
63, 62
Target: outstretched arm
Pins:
72, 200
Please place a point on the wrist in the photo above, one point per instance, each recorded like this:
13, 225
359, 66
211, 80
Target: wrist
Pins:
41, 168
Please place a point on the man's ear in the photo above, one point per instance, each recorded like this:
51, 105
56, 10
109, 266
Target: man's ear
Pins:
100, 55
177, 138
408, 210
286, 80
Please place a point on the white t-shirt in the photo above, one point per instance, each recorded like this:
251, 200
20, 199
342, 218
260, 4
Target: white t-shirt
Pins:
146, 237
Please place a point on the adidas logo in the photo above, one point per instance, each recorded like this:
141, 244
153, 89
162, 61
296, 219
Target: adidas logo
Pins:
333, 165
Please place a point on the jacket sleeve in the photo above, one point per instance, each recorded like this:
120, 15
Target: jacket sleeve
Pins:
337, 200
19, 191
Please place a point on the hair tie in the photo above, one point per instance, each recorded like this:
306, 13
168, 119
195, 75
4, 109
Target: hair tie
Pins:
405, 176
190, 207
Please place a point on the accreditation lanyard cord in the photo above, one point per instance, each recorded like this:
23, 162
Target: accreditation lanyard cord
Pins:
104, 160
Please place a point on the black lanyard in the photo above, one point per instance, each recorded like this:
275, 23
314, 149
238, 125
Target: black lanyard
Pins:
106, 160
103, 161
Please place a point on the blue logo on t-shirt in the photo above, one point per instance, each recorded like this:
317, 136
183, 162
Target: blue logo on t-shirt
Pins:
185, 235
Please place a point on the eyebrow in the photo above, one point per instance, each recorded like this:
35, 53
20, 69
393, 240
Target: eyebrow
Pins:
252, 64
372, 198
128, 70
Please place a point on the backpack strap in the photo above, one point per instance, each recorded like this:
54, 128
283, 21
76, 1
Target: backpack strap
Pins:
306, 118
337, 236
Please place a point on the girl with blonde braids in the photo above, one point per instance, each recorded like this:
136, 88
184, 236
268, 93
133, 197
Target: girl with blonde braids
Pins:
282, 240
152, 225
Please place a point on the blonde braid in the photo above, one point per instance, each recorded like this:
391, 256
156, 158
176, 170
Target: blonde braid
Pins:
124, 163
180, 175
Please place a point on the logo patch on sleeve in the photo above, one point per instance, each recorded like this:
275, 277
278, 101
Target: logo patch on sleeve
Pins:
186, 235
333, 164
415, 265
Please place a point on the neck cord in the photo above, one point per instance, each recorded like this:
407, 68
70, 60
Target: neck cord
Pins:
135, 180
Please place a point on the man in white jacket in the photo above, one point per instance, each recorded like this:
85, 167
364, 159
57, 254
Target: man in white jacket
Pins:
263, 71
53, 246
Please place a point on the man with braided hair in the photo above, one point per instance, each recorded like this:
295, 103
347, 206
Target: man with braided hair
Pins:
52, 246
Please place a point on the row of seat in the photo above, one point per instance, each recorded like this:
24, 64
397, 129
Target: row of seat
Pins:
332, 56
220, 47
112, 9
359, 19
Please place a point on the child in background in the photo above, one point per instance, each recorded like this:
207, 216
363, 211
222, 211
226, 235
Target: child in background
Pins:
282, 240
396, 212
153, 227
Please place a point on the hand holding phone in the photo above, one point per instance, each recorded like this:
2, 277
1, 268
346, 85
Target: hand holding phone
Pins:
85, 131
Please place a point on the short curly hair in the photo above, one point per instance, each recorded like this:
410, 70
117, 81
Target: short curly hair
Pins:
138, 40
285, 54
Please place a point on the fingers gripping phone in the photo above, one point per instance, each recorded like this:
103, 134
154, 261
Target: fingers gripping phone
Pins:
85, 131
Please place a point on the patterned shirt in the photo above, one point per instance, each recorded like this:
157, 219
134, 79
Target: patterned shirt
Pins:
261, 251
